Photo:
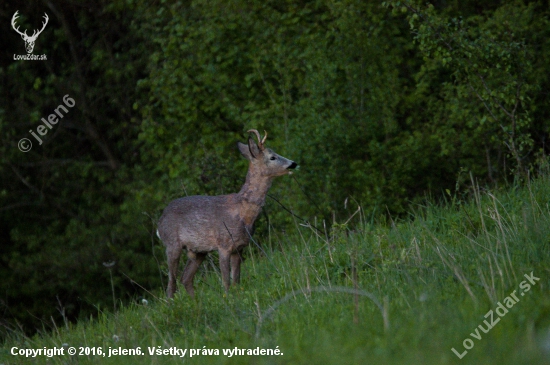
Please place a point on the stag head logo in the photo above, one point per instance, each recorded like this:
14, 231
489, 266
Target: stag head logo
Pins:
29, 40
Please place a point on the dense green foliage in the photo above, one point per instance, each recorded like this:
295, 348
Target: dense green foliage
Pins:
380, 104
432, 279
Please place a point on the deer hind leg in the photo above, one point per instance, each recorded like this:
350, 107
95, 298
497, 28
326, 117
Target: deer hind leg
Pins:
173, 253
236, 260
194, 260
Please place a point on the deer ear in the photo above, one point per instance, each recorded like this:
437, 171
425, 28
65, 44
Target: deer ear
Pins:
253, 148
250, 151
245, 151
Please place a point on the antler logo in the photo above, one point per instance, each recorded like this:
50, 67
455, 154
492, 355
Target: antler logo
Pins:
29, 41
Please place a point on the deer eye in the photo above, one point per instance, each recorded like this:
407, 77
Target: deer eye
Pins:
273, 158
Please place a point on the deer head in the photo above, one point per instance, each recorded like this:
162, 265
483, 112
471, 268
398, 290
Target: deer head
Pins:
29, 40
265, 161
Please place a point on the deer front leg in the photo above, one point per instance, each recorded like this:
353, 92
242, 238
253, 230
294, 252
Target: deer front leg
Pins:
224, 268
194, 260
236, 260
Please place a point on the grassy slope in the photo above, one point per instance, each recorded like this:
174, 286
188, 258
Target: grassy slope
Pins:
435, 276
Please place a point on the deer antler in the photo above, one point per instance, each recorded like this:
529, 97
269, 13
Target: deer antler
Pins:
24, 34
260, 140
43, 26
13, 19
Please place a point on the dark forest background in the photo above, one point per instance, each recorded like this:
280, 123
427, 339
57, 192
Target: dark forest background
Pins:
381, 103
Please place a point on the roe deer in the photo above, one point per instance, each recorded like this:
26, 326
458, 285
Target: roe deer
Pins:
224, 223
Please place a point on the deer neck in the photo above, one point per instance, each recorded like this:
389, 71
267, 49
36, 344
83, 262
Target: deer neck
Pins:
252, 194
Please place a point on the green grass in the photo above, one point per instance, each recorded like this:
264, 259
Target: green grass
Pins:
401, 292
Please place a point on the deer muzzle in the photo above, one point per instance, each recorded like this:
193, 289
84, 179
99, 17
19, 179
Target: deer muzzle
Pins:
292, 166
